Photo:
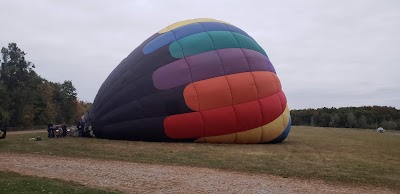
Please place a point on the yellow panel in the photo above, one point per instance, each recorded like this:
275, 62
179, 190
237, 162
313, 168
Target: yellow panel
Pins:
229, 138
275, 128
249, 136
200, 140
286, 116
186, 22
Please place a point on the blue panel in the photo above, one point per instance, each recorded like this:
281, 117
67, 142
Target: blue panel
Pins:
214, 26
284, 134
159, 42
238, 30
188, 30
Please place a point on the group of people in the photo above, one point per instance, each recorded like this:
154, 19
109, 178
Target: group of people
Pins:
80, 126
51, 130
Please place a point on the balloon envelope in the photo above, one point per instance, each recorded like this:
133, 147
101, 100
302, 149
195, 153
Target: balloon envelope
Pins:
200, 80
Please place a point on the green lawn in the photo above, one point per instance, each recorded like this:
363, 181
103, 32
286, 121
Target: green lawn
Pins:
350, 156
15, 183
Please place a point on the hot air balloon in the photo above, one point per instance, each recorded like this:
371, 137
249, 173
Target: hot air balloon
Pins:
199, 80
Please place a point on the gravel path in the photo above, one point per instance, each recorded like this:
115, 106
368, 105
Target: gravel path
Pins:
148, 178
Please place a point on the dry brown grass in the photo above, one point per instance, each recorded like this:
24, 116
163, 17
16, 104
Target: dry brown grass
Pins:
350, 156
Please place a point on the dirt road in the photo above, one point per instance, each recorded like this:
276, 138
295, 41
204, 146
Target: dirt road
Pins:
148, 178
25, 132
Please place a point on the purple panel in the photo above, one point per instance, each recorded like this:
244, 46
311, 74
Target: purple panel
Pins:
258, 61
208, 65
233, 60
205, 65
172, 75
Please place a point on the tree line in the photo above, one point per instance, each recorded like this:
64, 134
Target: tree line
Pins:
27, 99
369, 117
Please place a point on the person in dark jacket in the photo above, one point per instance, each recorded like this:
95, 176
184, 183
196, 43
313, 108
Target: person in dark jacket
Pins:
79, 128
50, 132
64, 130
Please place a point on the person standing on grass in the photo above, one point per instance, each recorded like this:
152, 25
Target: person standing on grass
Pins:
79, 128
50, 130
64, 130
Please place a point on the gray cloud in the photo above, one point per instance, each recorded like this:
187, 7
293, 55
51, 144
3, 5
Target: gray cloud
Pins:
326, 53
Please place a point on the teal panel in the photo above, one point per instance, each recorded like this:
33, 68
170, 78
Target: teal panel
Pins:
176, 50
195, 44
201, 42
246, 42
223, 39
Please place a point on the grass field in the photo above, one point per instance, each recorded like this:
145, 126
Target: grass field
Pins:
15, 183
348, 156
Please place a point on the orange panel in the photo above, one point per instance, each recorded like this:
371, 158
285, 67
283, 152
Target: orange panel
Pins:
213, 93
191, 99
243, 87
230, 90
267, 83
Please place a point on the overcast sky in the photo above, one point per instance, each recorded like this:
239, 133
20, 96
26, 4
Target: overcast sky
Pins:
326, 53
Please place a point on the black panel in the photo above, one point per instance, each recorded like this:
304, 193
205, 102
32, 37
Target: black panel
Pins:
149, 129
128, 106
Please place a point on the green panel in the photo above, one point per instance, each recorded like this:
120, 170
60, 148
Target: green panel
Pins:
246, 42
223, 39
192, 45
176, 50
201, 42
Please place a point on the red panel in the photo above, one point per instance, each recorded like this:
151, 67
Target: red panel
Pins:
219, 121
226, 120
272, 107
189, 125
248, 115
283, 99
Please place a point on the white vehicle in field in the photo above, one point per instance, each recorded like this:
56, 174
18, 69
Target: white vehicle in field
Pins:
380, 130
